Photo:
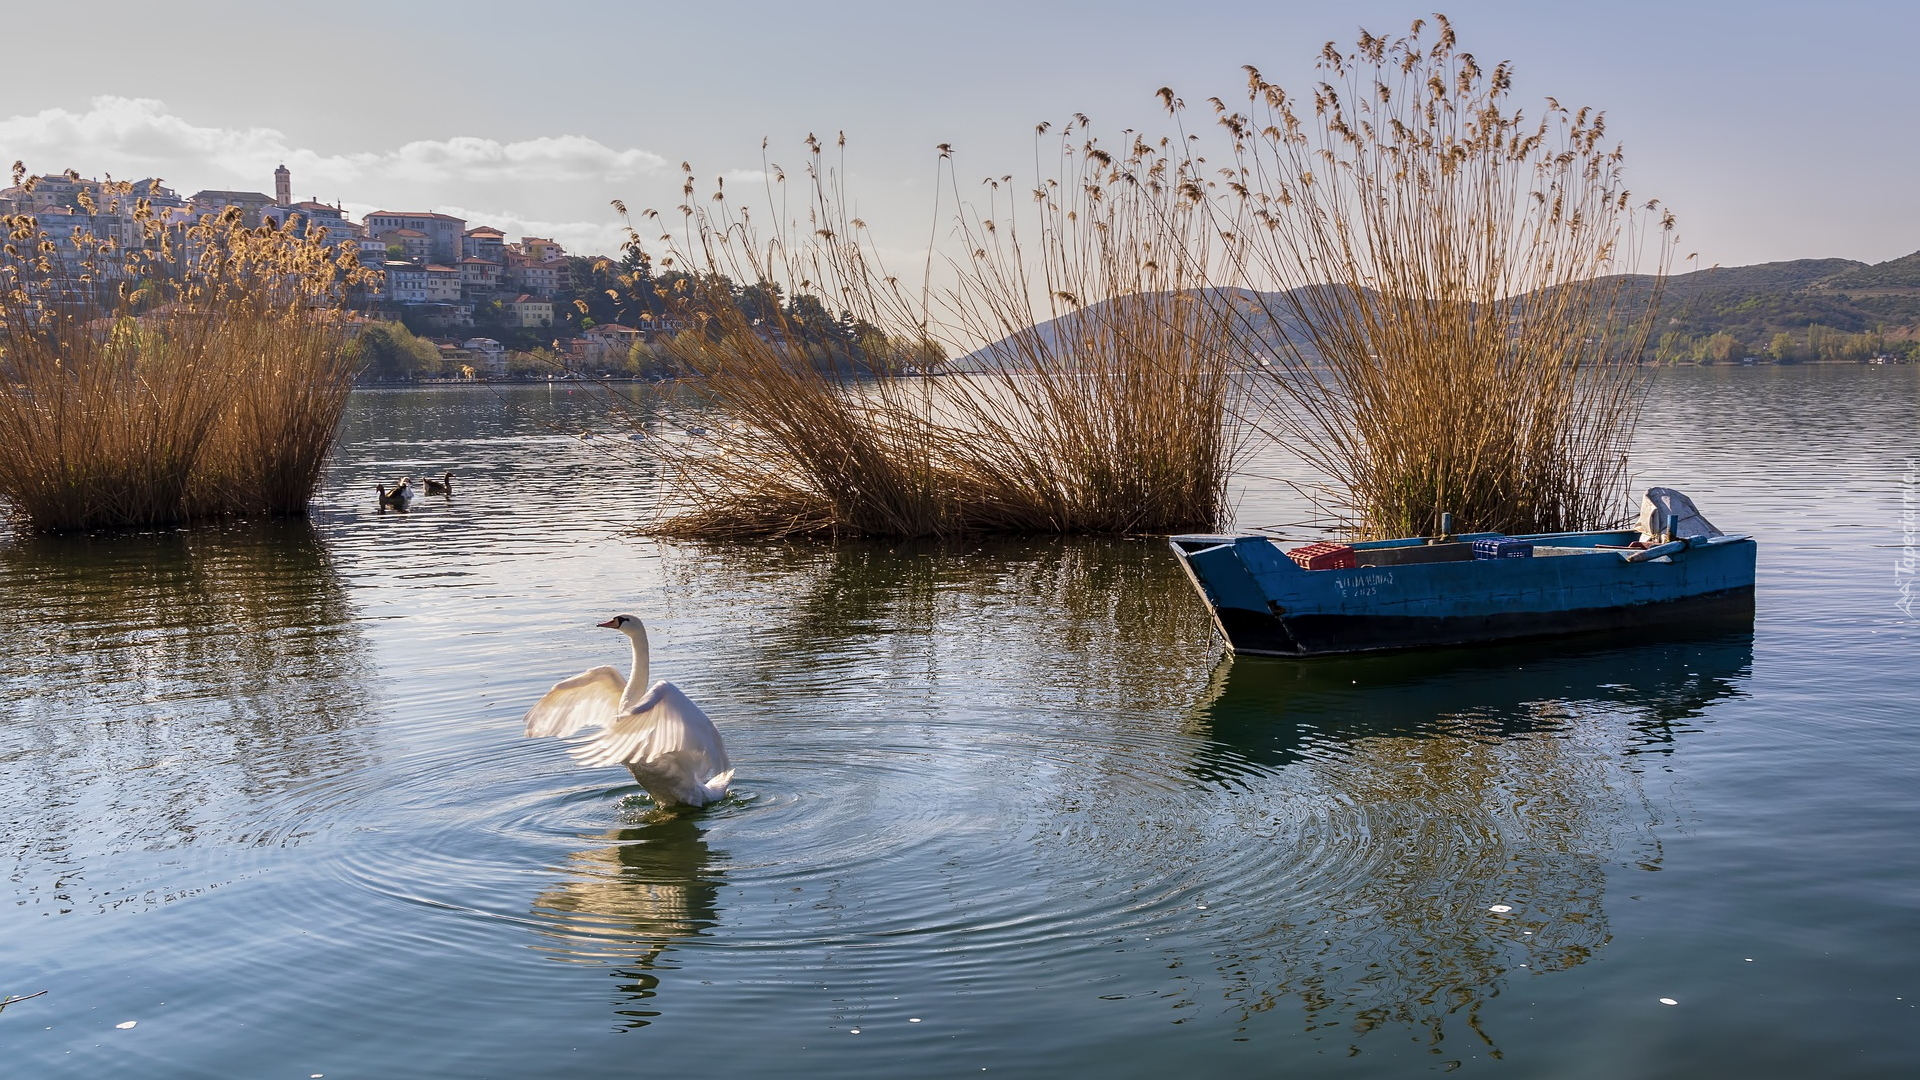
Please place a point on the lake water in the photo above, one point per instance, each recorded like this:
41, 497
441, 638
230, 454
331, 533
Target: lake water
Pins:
1001, 808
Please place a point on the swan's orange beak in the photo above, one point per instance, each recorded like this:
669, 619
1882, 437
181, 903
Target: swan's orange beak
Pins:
611, 624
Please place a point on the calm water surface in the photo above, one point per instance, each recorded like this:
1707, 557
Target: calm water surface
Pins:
1001, 807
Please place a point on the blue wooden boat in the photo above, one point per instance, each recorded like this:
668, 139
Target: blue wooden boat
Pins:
1419, 592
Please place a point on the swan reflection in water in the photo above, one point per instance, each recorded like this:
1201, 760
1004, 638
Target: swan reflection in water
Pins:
656, 885
1438, 824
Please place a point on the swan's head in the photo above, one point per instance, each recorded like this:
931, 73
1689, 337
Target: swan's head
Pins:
626, 624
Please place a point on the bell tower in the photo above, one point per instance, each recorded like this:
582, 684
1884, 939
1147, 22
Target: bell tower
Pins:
283, 186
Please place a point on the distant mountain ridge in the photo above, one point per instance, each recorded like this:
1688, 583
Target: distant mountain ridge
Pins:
1800, 310
1774, 276
1902, 273
1791, 311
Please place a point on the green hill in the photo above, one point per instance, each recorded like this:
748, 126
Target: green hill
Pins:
1805, 310
1764, 277
1895, 274
1799, 311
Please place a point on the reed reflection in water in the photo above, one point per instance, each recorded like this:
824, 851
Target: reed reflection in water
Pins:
1333, 832
1432, 826
1010, 789
164, 690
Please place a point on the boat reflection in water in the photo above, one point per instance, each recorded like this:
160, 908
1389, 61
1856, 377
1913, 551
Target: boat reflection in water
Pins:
655, 885
1420, 829
1216, 836
1275, 711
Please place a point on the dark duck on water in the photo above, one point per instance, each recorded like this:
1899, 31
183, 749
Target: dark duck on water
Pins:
398, 496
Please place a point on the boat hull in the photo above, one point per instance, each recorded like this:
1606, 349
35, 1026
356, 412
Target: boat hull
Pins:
1266, 605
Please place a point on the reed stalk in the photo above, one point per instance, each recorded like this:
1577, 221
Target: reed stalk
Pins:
185, 371
1092, 393
1461, 338
1107, 397
810, 437
281, 353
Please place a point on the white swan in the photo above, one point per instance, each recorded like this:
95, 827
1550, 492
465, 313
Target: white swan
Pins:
660, 735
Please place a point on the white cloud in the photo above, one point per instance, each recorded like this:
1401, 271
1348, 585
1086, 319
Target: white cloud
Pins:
548, 158
548, 179
131, 137
139, 135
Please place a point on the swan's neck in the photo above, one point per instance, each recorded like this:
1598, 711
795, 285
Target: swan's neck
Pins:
636, 682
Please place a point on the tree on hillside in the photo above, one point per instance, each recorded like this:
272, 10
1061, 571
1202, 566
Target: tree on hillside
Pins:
389, 351
1721, 347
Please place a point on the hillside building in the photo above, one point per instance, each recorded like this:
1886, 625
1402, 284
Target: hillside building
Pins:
479, 278
414, 245
540, 248
608, 345
331, 221
527, 310
540, 277
486, 243
409, 283
444, 233
488, 354
252, 204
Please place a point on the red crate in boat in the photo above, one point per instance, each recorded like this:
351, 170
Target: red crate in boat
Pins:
1323, 556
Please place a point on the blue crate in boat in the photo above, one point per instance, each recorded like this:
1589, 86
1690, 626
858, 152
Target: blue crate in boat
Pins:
1505, 547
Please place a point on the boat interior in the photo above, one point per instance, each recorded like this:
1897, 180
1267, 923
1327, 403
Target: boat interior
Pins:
1408, 551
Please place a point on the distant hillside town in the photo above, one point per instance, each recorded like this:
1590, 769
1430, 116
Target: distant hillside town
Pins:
432, 272
449, 300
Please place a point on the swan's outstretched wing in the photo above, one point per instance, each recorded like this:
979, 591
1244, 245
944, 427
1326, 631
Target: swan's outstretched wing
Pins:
665, 722
589, 699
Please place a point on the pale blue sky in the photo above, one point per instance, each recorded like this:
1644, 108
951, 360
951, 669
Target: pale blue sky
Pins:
1775, 130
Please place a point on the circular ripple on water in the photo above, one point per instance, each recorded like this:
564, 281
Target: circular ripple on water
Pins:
873, 831
994, 840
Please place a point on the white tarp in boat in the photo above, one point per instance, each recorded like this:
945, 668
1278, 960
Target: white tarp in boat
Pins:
1660, 503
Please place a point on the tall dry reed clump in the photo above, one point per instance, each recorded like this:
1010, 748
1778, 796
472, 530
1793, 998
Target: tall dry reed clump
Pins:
812, 436
1450, 266
1108, 387
155, 370
1092, 392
